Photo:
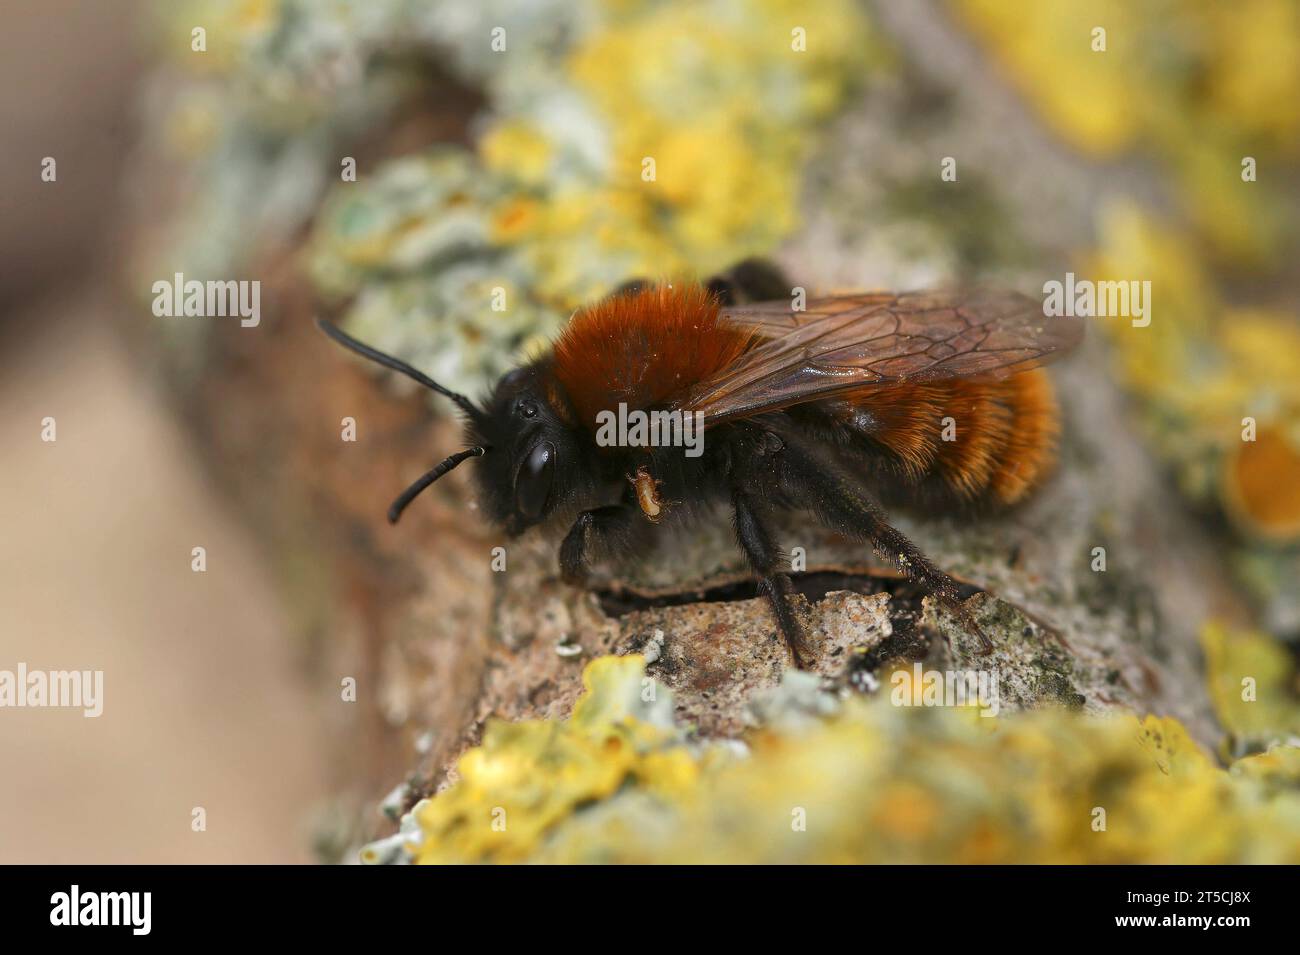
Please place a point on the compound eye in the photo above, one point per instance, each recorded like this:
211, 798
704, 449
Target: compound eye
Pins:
533, 483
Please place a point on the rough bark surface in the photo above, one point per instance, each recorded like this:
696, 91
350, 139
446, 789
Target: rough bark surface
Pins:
439, 643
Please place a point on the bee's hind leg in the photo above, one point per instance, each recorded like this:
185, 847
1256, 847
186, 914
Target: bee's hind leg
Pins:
750, 280
839, 504
767, 562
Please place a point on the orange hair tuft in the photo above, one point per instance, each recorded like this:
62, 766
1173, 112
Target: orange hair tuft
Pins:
646, 348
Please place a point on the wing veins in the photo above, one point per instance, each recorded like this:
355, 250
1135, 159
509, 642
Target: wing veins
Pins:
813, 354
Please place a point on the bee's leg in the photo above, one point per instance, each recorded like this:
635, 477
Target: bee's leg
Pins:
750, 280
767, 560
595, 532
834, 497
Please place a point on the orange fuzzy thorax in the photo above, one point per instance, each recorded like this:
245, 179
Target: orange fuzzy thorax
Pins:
645, 348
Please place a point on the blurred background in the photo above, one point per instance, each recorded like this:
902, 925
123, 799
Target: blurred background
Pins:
391, 164
204, 703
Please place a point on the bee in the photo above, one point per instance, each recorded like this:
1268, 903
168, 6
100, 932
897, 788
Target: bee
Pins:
929, 398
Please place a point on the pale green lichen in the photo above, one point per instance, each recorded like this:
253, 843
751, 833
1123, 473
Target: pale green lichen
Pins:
401, 846
463, 258
628, 150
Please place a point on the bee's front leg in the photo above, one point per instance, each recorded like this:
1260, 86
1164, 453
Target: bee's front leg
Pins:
598, 531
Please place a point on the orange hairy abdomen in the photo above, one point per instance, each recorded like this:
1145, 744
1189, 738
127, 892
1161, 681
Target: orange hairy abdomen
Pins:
1003, 431
645, 349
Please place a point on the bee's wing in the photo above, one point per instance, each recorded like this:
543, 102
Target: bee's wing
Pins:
849, 342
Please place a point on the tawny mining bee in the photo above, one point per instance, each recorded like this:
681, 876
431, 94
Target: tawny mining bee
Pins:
933, 397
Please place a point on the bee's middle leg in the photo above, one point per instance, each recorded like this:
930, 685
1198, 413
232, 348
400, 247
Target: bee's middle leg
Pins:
767, 562
836, 499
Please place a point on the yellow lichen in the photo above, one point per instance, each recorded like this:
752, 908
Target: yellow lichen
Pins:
1198, 87
708, 112
654, 139
1202, 371
527, 777
875, 783
1253, 685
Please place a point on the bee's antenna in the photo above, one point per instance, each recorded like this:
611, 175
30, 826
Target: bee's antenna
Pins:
388, 361
410, 494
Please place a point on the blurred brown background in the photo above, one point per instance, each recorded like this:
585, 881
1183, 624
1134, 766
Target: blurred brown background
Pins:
203, 705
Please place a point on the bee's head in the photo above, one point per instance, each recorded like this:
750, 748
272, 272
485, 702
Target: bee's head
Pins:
528, 469
519, 435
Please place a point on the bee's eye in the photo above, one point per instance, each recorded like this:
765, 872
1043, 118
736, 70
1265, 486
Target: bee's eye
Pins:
533, 483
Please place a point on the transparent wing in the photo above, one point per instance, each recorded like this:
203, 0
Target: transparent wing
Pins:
848, 342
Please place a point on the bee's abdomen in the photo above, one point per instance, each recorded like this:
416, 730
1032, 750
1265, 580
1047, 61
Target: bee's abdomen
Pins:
978, 438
